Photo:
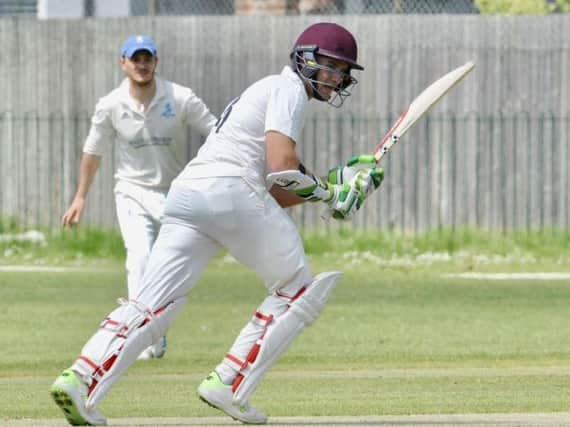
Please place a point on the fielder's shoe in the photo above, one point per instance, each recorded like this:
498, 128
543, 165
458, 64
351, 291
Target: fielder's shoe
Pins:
70, 394
219, 395
155, 351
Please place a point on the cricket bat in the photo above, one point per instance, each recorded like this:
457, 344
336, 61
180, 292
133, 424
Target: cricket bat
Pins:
419, 106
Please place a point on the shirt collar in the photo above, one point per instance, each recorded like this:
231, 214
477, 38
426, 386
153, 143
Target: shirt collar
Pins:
126, 98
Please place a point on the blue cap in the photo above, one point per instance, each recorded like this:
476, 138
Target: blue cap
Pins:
139, 42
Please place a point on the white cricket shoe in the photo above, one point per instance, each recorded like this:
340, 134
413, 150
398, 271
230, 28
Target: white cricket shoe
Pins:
155, 351
70, 394
219, 395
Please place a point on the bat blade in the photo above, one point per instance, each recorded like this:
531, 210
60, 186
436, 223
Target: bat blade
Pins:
420, 106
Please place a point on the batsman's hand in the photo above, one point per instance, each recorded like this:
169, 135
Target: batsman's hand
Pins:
355, 193
345, 174
362, 175
366, 181
343, 200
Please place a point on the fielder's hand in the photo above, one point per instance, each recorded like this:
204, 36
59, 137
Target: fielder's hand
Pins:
72, 216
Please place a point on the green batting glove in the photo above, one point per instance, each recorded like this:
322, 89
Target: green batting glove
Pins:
345, 174
365, 182
343, 201
317, 191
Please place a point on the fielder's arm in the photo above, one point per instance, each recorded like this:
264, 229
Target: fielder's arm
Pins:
89, 165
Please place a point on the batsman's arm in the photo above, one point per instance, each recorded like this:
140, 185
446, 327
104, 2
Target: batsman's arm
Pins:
285, 198
281, 155
291, 175
88, 168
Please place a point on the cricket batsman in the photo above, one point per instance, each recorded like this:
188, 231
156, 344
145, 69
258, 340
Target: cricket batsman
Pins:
231, 197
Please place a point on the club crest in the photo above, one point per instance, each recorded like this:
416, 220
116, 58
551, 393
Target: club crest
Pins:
168, 111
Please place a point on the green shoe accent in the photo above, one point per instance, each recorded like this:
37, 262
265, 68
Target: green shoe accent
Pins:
220, 396
60, 392
70, 394
213, 381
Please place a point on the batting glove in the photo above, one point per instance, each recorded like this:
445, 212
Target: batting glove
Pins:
344, 200
361, 173
366, 181
346, 173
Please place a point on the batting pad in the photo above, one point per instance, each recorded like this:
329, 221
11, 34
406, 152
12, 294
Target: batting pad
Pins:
126, 332
281, 333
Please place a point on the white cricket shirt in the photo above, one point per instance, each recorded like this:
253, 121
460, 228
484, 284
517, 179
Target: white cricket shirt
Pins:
236, 145
151, 144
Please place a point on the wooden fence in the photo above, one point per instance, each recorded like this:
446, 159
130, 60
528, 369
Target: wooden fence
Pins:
493, 154
503, 172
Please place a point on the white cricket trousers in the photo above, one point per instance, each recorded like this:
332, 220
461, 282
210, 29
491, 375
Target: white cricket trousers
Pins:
201, 217
204, 215
139, 211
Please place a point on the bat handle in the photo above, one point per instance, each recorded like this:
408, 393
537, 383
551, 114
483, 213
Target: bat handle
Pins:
385, 146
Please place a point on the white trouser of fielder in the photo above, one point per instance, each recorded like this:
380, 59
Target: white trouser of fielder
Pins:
139, 211
201, 217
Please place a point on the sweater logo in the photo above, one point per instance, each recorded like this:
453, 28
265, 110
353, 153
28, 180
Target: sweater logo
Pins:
168, 111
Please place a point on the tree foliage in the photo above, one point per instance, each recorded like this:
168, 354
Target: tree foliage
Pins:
562, 6
522, 7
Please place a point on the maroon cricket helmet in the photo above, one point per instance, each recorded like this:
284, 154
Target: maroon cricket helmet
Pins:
328, 40
332, 41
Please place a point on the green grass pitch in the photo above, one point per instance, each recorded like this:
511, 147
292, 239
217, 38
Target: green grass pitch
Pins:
391, 341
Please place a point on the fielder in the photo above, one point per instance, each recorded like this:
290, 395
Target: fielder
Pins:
146, 117
231, 196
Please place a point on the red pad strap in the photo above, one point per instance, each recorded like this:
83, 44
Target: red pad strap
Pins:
239, 362
237, 382
294, 297
266, 318
252, 355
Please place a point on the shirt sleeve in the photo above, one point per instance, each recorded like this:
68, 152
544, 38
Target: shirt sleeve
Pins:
285, 112
198, 115
101, 131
